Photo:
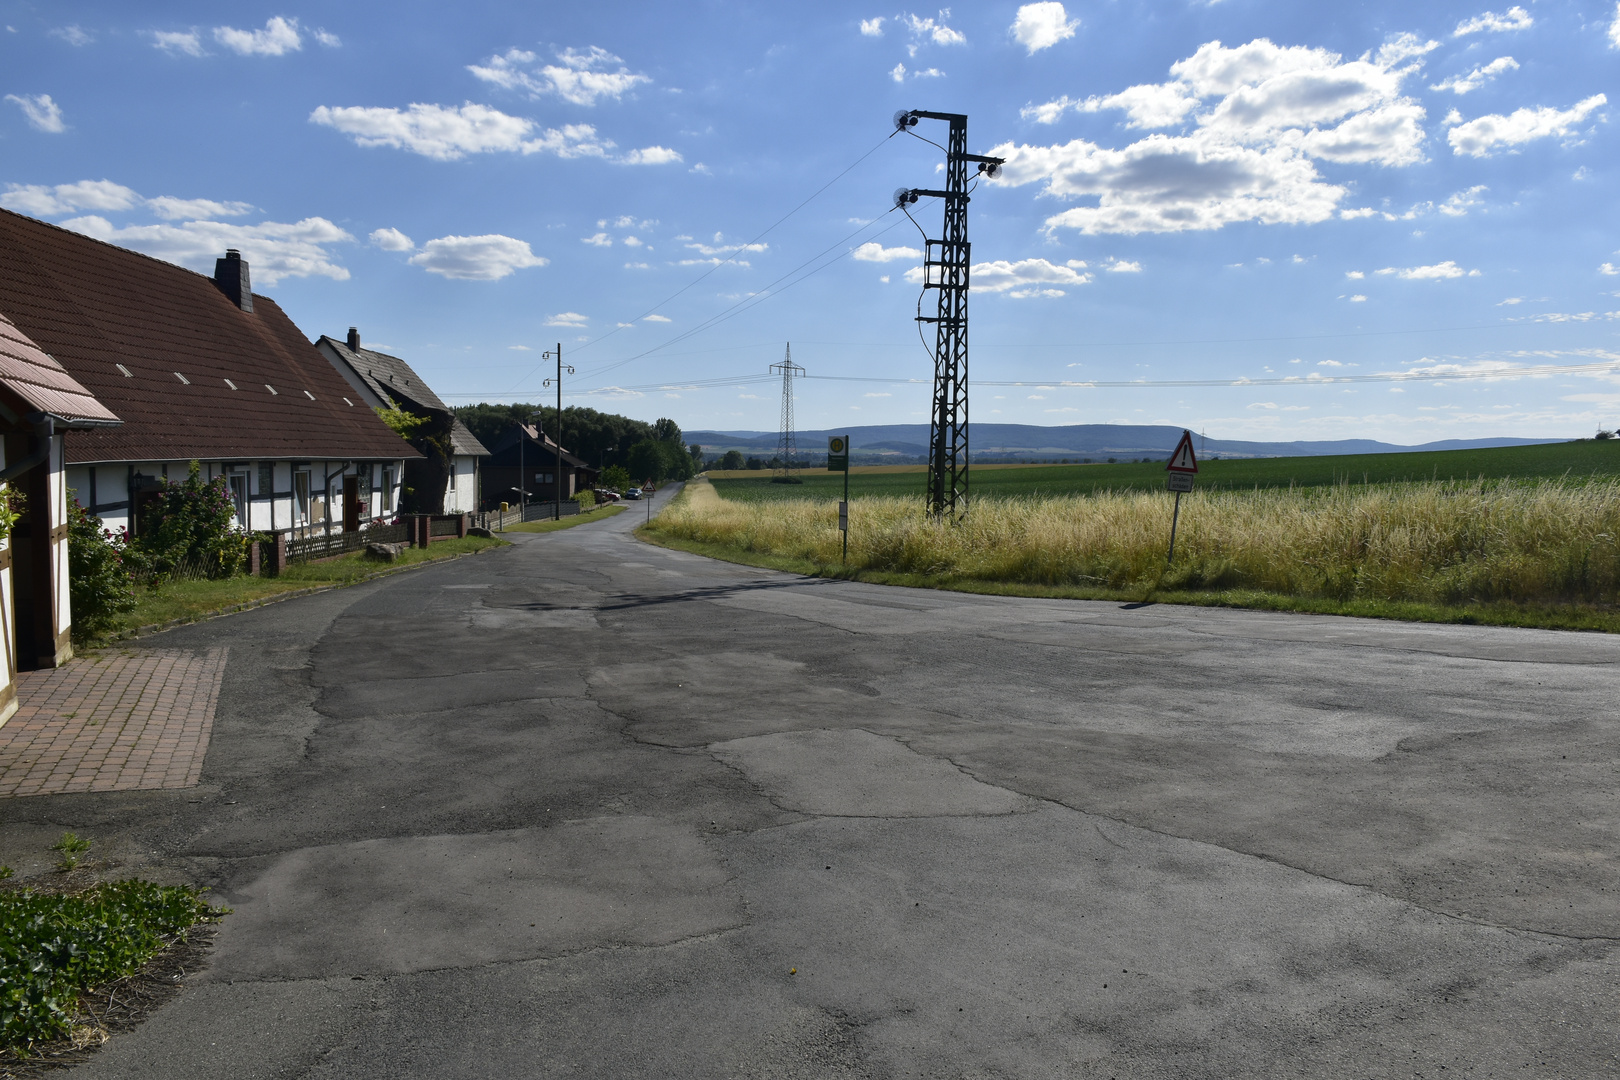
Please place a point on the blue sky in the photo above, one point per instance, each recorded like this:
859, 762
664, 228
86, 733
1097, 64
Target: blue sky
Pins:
1195, 191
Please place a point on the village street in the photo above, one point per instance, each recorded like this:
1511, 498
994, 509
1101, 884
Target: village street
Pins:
586, 807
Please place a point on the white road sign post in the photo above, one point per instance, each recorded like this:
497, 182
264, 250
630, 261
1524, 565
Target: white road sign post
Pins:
1183, 465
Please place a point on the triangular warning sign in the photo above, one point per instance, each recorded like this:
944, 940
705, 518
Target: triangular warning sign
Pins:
1183, 459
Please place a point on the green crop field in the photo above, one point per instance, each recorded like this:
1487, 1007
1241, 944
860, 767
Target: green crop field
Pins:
1575, 460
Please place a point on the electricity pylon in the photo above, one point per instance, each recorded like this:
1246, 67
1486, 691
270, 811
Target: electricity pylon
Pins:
786, 445
945, 267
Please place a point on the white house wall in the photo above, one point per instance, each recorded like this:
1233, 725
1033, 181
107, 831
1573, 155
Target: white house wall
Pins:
267, 511
56, 488
461, 495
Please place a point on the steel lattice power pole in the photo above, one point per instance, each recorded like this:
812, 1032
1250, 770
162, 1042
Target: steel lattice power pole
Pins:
945, 268
786, 446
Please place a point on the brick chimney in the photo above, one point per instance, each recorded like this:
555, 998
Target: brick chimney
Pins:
231, 278
354, 339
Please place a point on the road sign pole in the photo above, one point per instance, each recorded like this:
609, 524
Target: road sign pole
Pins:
843, 517
1175, 516
838, 461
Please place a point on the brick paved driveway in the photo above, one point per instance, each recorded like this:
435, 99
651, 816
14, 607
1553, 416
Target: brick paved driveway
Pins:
116, 721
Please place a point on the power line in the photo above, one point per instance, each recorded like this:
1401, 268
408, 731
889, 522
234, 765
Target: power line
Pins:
740, 249
753, 300
1124, 384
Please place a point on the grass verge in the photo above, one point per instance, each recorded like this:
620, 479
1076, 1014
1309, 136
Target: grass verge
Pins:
188, 601
567, 522
1426, 553
57, 950
1541, 617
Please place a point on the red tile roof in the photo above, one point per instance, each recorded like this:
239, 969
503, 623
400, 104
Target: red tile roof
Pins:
102, 311
43, 385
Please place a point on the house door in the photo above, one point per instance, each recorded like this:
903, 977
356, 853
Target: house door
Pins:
351, 504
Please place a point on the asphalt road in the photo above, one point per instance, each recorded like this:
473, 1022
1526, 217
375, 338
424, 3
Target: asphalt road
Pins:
586, 807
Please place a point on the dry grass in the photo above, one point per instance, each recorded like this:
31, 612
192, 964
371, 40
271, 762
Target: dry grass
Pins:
1440, 543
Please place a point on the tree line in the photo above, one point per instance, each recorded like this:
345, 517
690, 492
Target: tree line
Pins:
655, 451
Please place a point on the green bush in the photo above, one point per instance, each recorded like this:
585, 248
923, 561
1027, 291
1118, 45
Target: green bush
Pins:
53, 948
190, 530
100, 584
586, 499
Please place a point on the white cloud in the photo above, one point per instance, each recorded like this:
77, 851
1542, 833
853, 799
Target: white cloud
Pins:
329, 40
1022, 279
898, 73
1459, 203
276, 250
73, 35
1358, 298
932, 30
178, 41
1120, 266
1042, 25
40, 111
651, 155
447, 133
579, 76
279, 36
1478, 137
571, 319
877, 393
1609, 269
1514, 18
1354, 275
637, 266
476, 258
656, 318
600, 239
872, 251
635, 242
1360, 212
720, 247
928, 73
872, 27
170, 208
1462, 84
1614, 29
1437, 272
1263, 115
391, 240
42, 200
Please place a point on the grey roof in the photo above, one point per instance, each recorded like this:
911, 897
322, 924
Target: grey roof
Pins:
389, 377
463, 441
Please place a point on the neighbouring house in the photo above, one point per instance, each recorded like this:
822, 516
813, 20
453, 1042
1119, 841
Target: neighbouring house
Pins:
527, 458
445, 479
198, 368
39, 402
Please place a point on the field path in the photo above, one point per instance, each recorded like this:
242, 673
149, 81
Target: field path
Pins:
586, 807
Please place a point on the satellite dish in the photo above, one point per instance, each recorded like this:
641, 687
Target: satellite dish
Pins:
904, 119
902, 196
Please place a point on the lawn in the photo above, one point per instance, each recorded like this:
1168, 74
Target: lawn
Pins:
186, 600
568, 522
1575, 460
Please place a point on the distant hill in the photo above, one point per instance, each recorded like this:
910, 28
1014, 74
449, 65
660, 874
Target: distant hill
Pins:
1026, 441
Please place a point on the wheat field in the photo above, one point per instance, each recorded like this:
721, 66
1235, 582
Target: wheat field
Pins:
1447, 543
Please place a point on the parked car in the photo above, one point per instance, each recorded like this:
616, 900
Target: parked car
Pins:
632, 493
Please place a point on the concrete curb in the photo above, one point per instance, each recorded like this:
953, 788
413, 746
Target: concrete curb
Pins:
158, 628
